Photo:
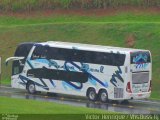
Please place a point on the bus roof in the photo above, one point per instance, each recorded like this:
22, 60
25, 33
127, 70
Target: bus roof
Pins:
90, 47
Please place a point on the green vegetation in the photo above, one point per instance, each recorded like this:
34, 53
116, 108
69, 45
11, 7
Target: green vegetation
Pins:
49, 110
21, 106
29, 5
155, 95
144, 30
121, 18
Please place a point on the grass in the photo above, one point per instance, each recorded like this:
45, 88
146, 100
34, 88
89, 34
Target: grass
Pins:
14, 106
107, 30
155, 95
5, 82
122, 18
31, 109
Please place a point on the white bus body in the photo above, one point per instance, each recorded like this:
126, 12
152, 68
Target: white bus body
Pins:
94, 71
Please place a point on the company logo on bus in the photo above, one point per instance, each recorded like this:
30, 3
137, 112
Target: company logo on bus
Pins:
140, 60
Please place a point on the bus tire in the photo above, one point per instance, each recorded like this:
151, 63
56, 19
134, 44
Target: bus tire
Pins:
103, 96
31, 88
91, 94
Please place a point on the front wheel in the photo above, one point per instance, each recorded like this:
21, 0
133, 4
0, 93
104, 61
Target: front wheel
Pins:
91, 94
103, 96
31, 88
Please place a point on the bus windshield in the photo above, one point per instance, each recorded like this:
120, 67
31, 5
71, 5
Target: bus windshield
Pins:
21, 51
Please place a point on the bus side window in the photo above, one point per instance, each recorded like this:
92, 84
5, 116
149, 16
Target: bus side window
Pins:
44, 52
98, 57
51, 53
36, 53
118, 59
40, 52
15, 68
107, 59
112, 59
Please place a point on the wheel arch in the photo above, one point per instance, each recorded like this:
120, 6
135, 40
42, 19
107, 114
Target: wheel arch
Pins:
89, 88
101, 89
29, 81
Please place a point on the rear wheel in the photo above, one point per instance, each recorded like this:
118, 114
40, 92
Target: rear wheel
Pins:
91, 94
103, 96
31, 88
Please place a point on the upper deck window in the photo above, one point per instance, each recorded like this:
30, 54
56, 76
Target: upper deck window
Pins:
39, 52
94, 57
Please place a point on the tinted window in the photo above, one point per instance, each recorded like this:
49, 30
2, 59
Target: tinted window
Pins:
58, 75
40, 52
21, 51
140, 57
16, 69
83, 56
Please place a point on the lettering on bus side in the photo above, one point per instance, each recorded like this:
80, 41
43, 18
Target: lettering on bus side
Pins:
84, 67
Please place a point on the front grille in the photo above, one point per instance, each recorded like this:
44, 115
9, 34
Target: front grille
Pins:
140, 78
118, 92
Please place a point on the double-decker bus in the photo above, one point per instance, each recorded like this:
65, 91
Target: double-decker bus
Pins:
97, 72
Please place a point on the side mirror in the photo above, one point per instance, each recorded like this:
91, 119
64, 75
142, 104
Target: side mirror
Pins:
13, 59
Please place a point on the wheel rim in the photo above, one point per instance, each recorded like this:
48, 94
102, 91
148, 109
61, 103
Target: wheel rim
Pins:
92, 95
31, 88
103, 96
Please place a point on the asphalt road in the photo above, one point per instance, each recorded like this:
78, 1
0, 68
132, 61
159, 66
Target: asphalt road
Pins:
133, 107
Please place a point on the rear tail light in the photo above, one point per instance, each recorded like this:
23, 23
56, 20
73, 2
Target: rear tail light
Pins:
150, 86
128, 88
